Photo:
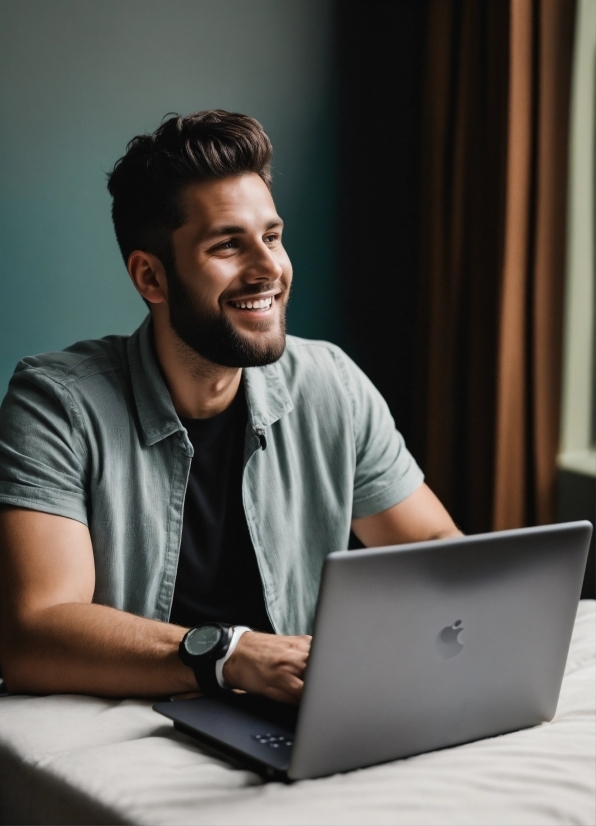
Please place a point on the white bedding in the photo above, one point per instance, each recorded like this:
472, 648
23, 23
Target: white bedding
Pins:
70, 759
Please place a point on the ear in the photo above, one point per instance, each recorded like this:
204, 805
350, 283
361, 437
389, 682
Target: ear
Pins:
148, 275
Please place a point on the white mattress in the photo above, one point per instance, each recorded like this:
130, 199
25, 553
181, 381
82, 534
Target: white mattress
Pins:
70, 759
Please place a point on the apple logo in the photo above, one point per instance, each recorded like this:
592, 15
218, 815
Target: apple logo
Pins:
448, 644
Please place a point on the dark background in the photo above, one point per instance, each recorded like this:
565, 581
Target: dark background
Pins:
381, 69
381, 57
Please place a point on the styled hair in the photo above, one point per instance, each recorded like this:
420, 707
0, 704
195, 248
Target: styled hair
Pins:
147, 182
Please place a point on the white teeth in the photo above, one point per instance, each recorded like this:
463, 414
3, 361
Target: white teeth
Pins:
261, 304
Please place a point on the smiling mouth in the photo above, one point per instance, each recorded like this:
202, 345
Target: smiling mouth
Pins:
258, 304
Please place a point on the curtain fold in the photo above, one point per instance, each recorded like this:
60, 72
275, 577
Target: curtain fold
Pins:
495, 130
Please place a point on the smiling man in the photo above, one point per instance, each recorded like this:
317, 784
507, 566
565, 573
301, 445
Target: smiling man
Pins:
168, 498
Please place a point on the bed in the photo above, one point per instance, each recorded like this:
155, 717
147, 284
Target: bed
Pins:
71, 759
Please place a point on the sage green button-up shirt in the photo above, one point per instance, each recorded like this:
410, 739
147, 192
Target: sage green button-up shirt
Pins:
90, 433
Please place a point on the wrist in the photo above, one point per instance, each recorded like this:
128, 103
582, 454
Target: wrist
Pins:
238, 632
186, 679
233, 667
184, 675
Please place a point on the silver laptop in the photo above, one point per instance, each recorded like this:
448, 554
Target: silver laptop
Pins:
415, 648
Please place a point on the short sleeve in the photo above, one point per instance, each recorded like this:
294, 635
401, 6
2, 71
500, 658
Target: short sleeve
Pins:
41, 448
386, 472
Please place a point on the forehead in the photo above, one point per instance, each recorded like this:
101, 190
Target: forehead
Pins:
242, 200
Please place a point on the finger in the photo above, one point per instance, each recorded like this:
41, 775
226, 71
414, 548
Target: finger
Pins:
290, 685
304, 641
292, 660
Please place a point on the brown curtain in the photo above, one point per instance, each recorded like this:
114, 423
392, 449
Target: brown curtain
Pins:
495, 169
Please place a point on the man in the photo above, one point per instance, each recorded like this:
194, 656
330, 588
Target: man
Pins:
200, 470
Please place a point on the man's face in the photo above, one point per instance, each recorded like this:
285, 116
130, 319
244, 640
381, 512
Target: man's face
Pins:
229, 256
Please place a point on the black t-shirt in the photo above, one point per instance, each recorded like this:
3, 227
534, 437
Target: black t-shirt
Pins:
218, 577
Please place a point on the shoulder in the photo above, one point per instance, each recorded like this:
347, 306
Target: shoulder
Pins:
320, 364
312, 358
82, 360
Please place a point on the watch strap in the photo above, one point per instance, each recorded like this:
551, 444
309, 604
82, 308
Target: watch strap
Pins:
238, 631
203, 665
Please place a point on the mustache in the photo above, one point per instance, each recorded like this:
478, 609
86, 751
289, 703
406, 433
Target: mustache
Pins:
254, 291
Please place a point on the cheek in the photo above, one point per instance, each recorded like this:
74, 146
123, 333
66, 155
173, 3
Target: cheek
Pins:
214, 279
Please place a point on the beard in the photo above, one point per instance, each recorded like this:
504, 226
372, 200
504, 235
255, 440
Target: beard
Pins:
214, 337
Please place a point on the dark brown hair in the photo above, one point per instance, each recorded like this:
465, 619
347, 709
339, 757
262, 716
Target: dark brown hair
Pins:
146, 183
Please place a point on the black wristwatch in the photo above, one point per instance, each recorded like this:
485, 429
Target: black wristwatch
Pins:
200, 649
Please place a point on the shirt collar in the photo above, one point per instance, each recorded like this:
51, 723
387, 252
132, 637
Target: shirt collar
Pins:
267, 396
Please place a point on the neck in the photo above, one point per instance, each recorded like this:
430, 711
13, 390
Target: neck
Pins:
199, 388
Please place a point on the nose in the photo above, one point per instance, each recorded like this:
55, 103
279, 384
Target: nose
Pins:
262, 265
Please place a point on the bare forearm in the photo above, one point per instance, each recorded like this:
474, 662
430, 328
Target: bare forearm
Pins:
447, 533
418, 518
92, 649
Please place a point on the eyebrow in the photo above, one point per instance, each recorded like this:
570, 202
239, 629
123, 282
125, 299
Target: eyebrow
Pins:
236, 229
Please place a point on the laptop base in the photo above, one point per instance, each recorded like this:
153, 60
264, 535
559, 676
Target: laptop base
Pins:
251, 731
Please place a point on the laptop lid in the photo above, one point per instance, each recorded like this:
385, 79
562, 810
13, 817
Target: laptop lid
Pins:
422, 646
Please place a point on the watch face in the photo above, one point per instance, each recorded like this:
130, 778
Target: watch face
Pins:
202, 640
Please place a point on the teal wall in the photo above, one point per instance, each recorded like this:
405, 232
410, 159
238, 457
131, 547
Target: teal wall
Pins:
79, 78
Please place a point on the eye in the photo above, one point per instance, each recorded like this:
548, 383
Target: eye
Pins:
227, 245
271, 238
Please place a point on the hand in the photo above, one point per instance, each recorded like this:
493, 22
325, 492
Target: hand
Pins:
269, 664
